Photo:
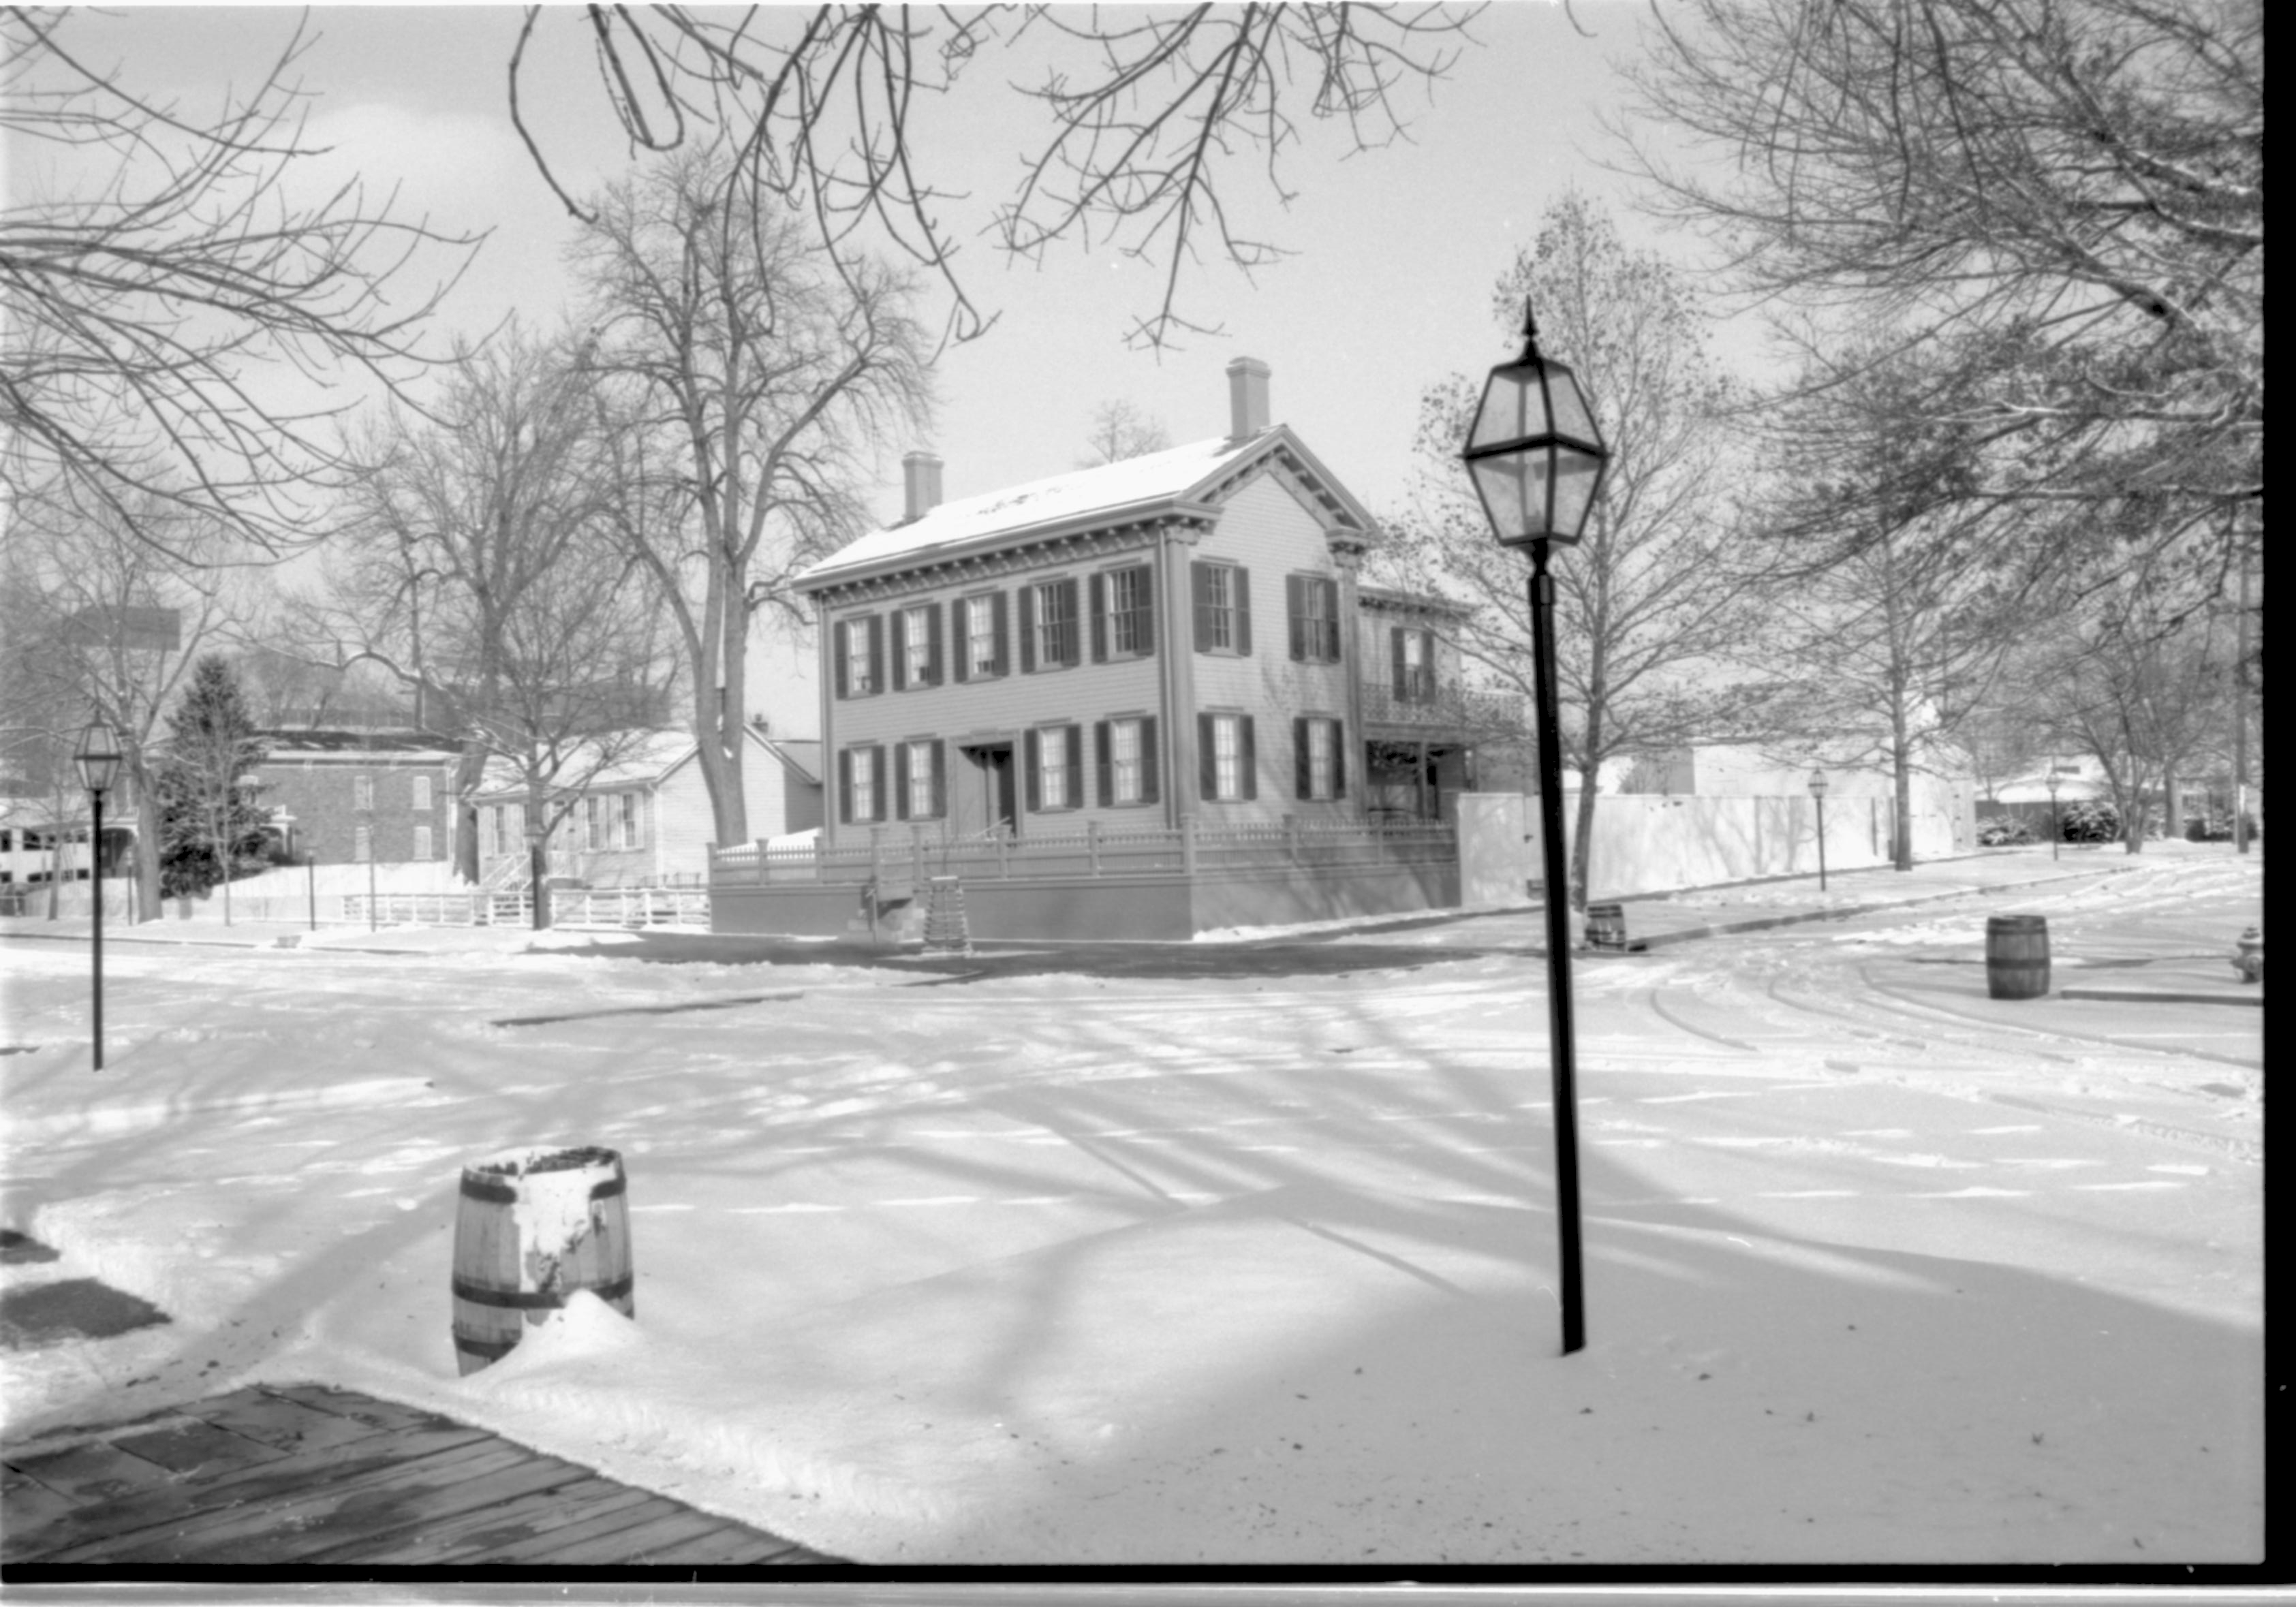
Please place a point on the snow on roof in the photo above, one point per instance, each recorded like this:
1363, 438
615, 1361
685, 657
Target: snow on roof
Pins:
1160, 477
644, 756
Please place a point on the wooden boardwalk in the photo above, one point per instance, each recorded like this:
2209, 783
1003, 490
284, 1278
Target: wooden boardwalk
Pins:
302, 1475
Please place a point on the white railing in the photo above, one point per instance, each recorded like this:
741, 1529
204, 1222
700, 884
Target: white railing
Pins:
478, 908
910, 858
629, 906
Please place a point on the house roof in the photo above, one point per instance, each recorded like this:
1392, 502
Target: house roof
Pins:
1181, 477
1416, 603
651, 760
354, 747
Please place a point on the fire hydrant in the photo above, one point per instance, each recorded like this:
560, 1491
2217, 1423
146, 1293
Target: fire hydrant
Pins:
2248, 955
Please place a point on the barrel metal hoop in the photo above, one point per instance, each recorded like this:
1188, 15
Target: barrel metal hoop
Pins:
477, 1186
539, 1299
494, 1350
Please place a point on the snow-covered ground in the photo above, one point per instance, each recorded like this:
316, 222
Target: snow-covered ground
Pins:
1064, 1269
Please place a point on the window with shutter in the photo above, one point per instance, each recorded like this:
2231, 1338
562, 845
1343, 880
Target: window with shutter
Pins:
1054, 768
1223, 607
1229, 760
915, 782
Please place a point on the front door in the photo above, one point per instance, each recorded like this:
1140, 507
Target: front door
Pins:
995, 790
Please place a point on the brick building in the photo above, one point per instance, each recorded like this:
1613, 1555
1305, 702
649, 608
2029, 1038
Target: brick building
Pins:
334, 788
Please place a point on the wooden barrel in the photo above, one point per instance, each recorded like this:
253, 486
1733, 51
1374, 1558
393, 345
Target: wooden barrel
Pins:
1606, 926
534, 1226
2017, 957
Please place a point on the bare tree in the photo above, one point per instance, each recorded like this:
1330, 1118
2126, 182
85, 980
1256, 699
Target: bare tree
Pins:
1121, 429
158, 308
1900, 596
745, 382
1658, 593
2139, 693
480, 568
820, 108
2073, 191
109, 609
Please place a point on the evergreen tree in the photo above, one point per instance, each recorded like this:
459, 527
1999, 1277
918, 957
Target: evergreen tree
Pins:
210, 823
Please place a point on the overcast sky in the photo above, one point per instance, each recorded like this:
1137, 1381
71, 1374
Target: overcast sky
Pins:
1396, 250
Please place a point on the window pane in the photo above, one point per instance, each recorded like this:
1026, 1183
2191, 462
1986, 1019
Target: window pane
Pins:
980, 635
920, 802
1124, 760
1227, 756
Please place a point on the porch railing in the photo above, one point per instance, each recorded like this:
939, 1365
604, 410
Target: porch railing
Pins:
1447, 708
910, 857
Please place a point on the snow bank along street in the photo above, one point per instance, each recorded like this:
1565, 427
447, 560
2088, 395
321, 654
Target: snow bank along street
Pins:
1069, 1269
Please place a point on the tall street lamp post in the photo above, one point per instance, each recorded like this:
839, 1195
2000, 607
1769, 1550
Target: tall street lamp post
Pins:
98, 760
367, 817
2056, 826
1817, 790
1537, 462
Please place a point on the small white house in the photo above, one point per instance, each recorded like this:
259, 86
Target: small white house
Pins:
645, 819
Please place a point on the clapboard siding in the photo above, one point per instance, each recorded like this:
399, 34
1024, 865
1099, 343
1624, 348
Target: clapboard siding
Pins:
1267, 529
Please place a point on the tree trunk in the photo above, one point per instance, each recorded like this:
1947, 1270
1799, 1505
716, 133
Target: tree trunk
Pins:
1582, 851
469, 770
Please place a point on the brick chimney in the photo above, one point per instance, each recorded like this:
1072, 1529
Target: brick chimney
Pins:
1247, 398
921, 475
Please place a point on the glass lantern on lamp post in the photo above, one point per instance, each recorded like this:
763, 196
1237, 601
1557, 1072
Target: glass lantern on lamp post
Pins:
2056, 825
1537, 460
98, 760
1817, 785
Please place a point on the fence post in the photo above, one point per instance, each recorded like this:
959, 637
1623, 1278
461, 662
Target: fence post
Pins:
1291, 838
1003, 861
916, 861
1188, 842
1091, 844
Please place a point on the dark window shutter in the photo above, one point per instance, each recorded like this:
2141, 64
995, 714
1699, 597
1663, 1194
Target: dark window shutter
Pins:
1331, 590
939, 779
1074, 791
1427, 666
1301, 777
837, 649
1207, 761
876, 653
1295, 607
1395, 647
844, 784
1098, 598
1104, 763
1144, 618
1032, 751
900, 650
1071, 637
996, 624
901, 781
1250, 759
1148, 793
1028, 628
1339, 758
960, 640
933, 646
877, 782
1199, 575
1242, 584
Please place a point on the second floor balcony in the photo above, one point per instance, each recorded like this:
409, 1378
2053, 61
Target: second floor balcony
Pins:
1447, 708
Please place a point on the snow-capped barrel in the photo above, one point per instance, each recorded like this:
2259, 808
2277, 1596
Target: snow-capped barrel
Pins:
2017, 957
534, 1226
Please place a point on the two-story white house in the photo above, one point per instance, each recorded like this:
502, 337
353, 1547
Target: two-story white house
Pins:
1165, 644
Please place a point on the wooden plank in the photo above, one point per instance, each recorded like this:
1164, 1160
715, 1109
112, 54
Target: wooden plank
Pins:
360, 1408
362, 1523
275, 1420
92, 1473
474, 1535
637, 1545
730, 1543
94, 1530
189, 1448
27, 1507
601, 1527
